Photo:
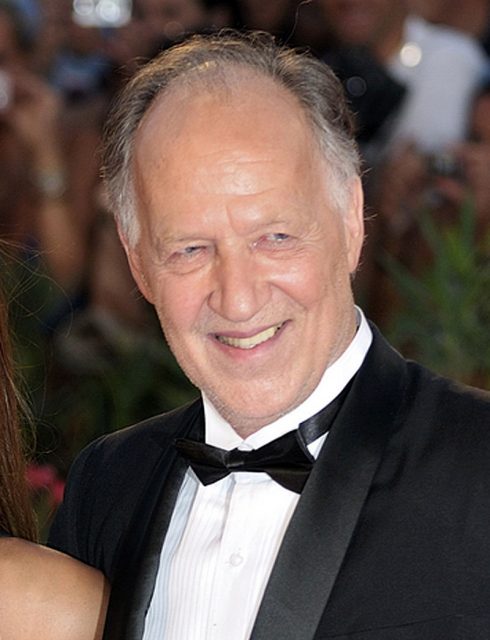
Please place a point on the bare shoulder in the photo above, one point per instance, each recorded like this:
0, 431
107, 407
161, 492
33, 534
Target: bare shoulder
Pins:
46, 594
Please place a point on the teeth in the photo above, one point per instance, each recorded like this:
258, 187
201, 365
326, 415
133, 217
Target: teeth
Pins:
253, 341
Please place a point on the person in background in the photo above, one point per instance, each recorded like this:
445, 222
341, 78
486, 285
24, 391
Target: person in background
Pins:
292, 22
50, 205
468, 175
442, 186
276, 17
439, 68
471, 17
34, 207
155, 25
322, 485
43, 594
412, 84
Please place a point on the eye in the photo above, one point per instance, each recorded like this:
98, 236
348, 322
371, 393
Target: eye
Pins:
188, 252
188, 257
275, 241
278, 237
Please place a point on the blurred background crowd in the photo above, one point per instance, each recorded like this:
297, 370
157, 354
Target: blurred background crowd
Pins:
89, 350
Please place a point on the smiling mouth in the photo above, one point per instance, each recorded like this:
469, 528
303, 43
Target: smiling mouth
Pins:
251, 341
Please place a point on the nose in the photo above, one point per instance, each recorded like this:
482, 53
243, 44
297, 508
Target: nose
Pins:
239, 288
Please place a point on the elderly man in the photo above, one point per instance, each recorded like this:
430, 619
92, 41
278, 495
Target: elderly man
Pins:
322, 486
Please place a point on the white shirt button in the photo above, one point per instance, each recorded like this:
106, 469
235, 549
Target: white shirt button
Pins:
236, 559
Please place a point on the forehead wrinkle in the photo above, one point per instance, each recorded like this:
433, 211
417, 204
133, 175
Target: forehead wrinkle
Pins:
228, 172
244, 196
235, 176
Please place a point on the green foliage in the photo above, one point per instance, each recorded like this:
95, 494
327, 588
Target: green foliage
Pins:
137, 378
83, 376
444, 316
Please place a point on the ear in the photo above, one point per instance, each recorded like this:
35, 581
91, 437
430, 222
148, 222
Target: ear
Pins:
136, 266
354, 225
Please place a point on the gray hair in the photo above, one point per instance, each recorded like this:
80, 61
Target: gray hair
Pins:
317, 89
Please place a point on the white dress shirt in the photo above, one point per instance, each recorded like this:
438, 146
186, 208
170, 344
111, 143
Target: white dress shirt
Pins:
223, 538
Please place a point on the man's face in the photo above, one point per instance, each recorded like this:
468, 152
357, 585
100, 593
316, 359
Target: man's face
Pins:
360, 22
240, 250
269, 16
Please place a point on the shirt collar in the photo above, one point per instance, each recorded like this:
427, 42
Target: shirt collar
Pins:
219, 433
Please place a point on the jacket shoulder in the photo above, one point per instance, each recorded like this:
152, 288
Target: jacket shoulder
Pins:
107, 481
159, 430
448, 396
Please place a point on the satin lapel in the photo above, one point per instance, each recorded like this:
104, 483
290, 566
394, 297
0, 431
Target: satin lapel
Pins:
321, 528
135, 579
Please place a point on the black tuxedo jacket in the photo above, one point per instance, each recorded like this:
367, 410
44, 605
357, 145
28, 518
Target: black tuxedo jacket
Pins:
390, 539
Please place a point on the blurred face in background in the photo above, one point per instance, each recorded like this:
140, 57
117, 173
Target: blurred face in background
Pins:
171, 18
362, 22
271, 15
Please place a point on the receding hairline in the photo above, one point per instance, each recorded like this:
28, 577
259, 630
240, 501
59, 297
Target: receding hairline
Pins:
223, 62
218, 82
173, 119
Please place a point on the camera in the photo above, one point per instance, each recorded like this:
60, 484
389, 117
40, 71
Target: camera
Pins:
445, 164
101, 13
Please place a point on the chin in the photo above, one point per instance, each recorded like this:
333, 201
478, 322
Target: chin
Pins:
255, 409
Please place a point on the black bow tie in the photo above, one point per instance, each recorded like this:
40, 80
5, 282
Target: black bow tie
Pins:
286, 459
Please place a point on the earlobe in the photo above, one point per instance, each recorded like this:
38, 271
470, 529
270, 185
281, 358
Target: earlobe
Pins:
354, 225
135, 266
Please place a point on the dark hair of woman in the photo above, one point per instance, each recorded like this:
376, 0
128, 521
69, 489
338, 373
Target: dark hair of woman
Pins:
16, 514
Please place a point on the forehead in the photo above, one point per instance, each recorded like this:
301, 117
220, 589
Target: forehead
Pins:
252, 116
245, 148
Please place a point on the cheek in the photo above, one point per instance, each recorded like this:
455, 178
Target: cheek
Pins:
328, 287
179, 303
306, 282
